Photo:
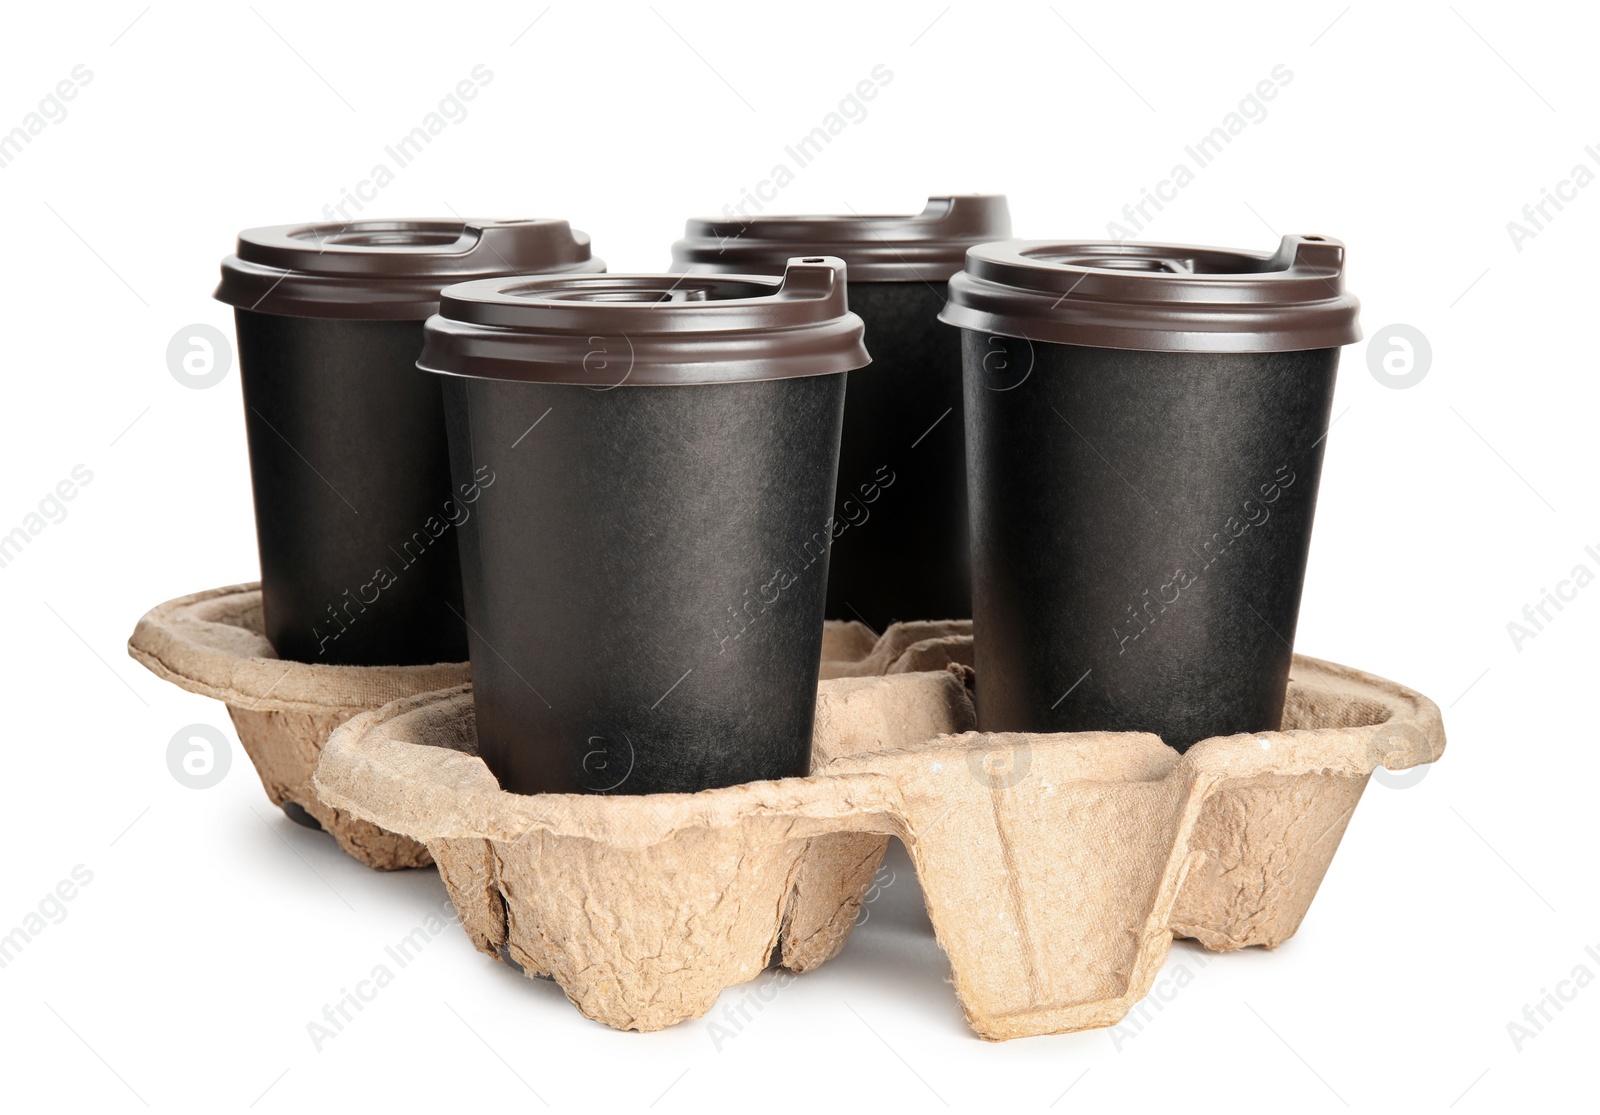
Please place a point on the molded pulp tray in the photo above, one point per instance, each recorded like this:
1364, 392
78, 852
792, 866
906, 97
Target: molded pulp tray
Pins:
212, 643
1056, 868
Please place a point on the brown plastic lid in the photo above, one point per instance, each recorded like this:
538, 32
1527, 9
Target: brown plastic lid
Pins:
1158, 297
388, 270
605, 331
927, 246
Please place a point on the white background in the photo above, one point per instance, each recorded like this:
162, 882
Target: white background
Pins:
184, 975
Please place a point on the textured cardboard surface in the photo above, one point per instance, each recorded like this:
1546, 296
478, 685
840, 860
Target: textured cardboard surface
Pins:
851, 650
1056, 868
212, 643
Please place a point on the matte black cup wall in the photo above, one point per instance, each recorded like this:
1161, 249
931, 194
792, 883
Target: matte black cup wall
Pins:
645, 571
355, 512
900, 549
1145, 427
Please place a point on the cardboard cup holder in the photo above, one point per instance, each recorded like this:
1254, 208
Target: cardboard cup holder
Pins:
1057, 869
212, 643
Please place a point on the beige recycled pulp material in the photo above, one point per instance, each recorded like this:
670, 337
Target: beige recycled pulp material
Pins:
1056, 868
212, 643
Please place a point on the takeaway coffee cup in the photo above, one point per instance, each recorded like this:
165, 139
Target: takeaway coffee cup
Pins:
355, 511
645, 569
1145, 427
900, 513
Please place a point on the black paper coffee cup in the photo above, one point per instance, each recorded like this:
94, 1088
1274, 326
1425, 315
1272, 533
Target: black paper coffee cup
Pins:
645, 568
902, 550
1145, 429
356, 515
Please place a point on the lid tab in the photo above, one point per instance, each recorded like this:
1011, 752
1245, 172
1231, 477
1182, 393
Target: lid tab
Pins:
814, 277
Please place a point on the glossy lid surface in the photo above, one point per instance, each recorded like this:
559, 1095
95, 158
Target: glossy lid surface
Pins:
605, 331
1158, 297
388, 270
